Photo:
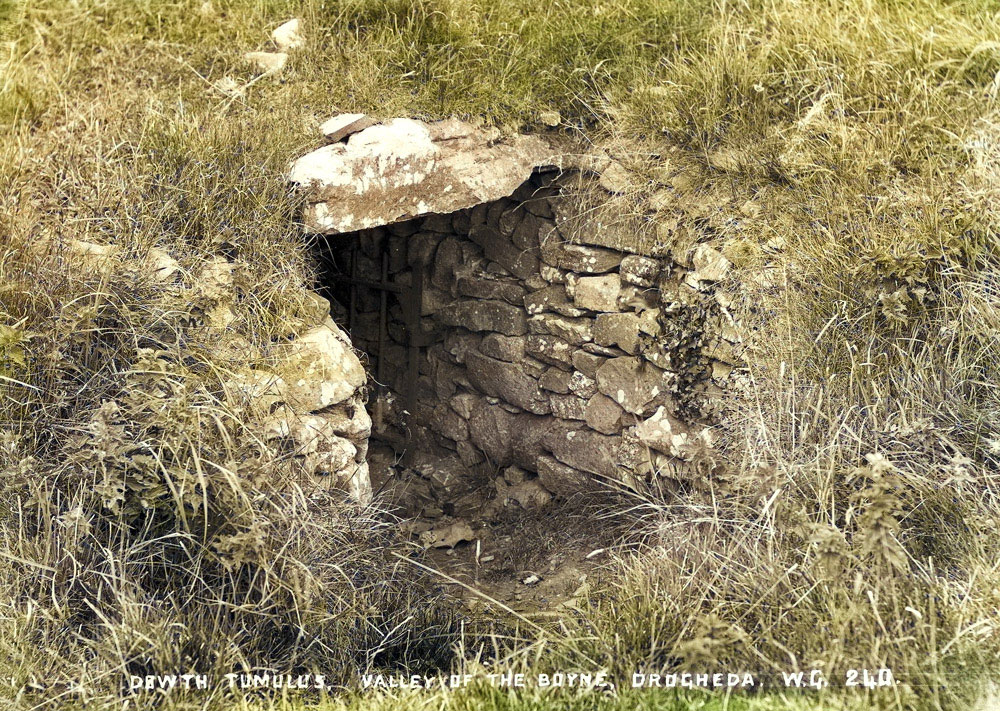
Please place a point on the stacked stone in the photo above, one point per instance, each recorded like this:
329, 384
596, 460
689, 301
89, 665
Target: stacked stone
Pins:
313, 399
550, 360
310, 396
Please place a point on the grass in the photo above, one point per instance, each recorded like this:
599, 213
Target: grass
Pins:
844, 155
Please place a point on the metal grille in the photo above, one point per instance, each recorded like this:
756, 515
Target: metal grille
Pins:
409, 297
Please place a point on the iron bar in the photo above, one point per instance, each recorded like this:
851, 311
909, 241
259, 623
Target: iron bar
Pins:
380, 285
353, 288
383, 315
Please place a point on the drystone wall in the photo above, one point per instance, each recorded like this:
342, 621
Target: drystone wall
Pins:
556, 351
553, 363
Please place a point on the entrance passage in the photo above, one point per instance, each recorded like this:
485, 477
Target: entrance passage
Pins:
523, 345
358, 278
506, 362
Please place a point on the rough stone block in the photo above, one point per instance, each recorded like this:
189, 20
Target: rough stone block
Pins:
446, 260
462, 403
514, 475
577, 257
604, 415
509, 219
598, 293
581, 385
635, 456
533, 367
522, 263
449, 423
568, 407
576, 331
525, 234
506, 348
555, 380
620, 330
468, 454
635, 384
319, 369
549, 349
605, 351
478, 214
639, 271
485, 315
562, 480
507, 438
528, 494
551, 298
535, 282
587, 363
665, 433
457, 344
420, 248
433, 300
437, 223
461, 222
539, 206
447, 377
507, 381
481, 287
582, 448
599, 228
551, 274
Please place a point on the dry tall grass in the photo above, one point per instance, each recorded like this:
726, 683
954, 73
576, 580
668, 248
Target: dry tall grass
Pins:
846, 149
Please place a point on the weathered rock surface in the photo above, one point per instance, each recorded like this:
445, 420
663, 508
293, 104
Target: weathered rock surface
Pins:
665, 433
640, 271
481, 287
288, 35
506, 348
498, 248
507, 438
618, 329
598, 293
561, 479
527, 493
555, 380
549, 349
483, 315
578, 258
568, 407
551, 298
575, 331
320, 369
267, 62
404, 168
604, 415
633, 383
507, 381
582, 448
341, 126
448, 535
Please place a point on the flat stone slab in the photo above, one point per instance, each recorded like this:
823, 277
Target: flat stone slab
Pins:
404, 168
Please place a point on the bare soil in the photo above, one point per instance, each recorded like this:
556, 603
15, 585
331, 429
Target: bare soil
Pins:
532, 561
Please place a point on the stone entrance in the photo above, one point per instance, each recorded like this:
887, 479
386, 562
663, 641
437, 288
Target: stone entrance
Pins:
516, 351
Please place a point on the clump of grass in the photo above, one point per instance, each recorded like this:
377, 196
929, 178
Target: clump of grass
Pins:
846, 147
146, 527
